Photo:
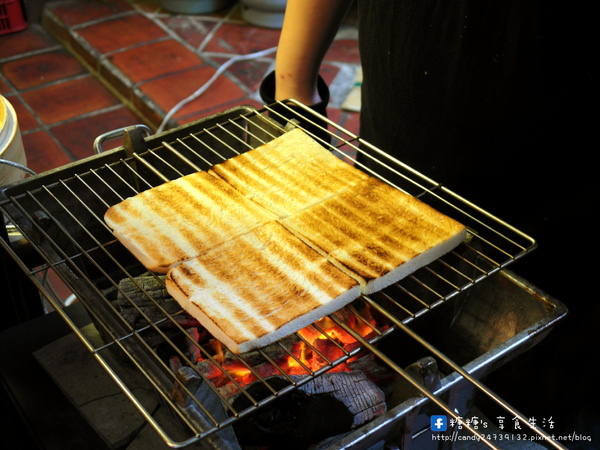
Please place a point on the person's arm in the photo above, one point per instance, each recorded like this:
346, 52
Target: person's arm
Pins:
308, 30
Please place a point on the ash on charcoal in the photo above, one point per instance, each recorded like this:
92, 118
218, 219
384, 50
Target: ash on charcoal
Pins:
363, 399
144, 299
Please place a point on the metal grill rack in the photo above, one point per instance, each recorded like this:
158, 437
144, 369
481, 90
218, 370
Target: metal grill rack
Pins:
60, 214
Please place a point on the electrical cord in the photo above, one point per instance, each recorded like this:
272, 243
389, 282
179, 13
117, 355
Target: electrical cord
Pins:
17, 166
206, 85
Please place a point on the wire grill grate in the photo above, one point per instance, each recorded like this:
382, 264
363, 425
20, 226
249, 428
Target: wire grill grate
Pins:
61, 215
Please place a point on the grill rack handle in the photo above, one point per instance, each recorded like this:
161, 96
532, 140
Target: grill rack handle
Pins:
133, 136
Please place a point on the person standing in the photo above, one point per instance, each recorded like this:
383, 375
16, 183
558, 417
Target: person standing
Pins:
493, 100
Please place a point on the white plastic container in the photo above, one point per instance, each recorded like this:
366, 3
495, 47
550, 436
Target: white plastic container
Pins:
264, 13
11, 145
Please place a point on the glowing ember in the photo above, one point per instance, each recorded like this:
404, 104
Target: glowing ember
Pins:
317, 347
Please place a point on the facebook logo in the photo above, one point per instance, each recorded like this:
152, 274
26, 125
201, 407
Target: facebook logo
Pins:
438, 423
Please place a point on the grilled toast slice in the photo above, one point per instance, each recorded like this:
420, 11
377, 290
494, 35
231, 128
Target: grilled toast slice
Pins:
182, 218
259, 287
377, 232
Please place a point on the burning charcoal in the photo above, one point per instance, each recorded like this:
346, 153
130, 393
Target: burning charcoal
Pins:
193, 351
236, 366
293, 421
222, 375
275, 352
140, 296
175, 363
144, 300
208, 369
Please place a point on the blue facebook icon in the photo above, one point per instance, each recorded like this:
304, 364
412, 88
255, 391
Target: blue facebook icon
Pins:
438, 423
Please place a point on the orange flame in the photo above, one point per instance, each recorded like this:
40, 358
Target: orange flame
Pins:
320, 344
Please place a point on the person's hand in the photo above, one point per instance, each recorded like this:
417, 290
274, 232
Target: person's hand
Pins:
283, 112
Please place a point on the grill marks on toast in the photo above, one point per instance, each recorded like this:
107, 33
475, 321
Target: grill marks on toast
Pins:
287, 176
251, 290
373, 229
177, 220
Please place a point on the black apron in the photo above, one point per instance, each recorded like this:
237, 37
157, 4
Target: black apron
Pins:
494, 99
447, 84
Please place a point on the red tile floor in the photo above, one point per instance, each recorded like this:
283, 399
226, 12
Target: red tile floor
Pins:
92, 66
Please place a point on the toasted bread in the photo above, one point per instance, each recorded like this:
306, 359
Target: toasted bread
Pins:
377, 232
271, 240
289, 173
259, 287
182, 218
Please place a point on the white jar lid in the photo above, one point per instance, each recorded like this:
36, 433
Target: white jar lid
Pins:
11, 144
3, 112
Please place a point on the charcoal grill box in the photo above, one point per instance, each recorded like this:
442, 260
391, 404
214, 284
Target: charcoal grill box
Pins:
499, 320
469, 285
